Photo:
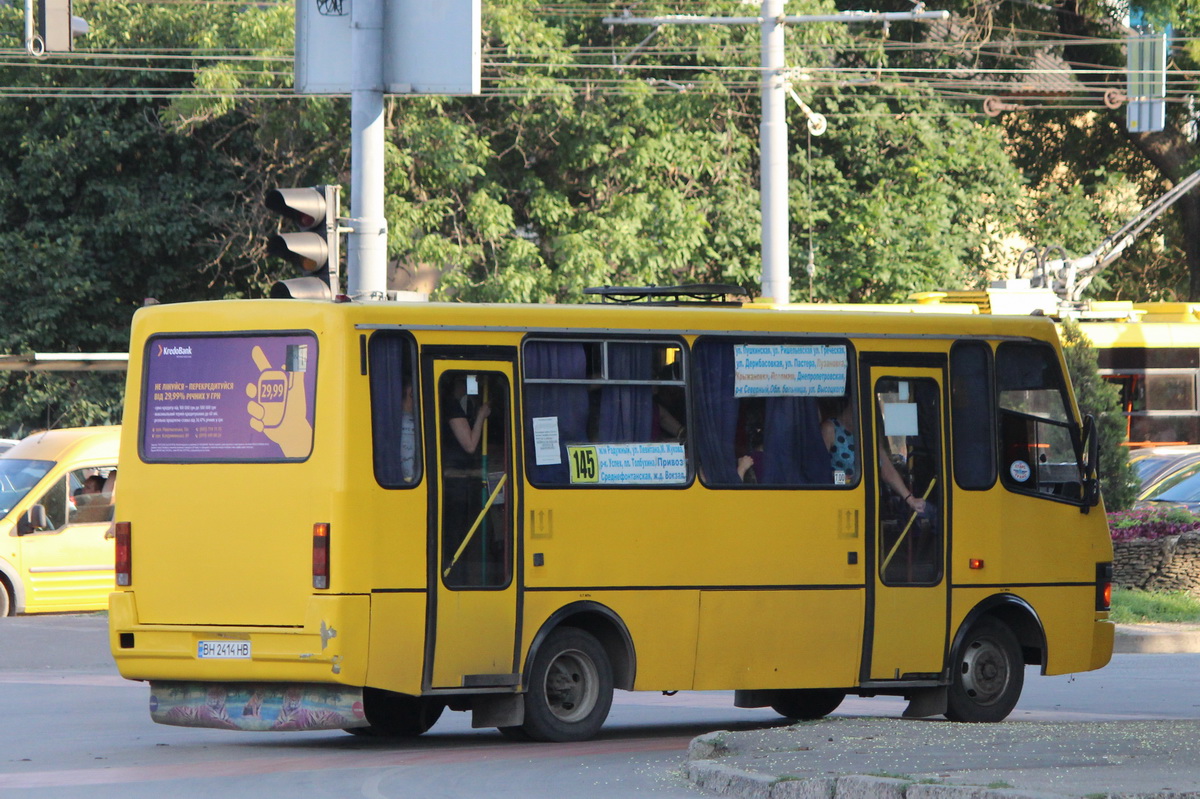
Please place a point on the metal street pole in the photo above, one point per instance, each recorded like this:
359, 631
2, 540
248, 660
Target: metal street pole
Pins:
367, 256
773, 144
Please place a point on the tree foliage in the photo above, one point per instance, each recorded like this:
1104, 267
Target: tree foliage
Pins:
1101, 399
593, 158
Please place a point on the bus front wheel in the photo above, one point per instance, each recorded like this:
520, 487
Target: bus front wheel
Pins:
987, 674
393, 715
807, 704
570, 688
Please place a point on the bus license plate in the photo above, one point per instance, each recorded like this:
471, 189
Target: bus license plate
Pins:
229, 650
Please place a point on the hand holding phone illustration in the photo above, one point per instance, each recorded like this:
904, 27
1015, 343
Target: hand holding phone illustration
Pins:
278, 407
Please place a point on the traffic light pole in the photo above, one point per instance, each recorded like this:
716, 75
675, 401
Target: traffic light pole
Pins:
366, 266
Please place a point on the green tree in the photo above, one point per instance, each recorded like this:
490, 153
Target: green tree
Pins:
1061, 65
1101, 399
105, 203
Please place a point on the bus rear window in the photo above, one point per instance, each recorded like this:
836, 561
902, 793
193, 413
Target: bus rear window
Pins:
228, 398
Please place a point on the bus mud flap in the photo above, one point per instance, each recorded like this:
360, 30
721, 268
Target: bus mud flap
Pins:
926, 702
498, 710
257, 706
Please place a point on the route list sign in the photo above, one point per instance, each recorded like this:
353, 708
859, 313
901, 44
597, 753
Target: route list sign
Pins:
229, 398
789, 370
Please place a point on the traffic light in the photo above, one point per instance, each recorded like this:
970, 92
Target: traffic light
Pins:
314, 248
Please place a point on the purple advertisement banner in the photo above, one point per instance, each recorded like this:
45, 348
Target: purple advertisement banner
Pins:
229, 398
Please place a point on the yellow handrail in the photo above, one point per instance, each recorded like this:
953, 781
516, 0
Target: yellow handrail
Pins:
478, 519
904, 532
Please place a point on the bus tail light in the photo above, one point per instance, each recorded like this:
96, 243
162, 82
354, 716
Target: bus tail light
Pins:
124, 563
1104, 576
320, 560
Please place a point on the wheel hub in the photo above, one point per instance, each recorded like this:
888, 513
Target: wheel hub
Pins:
572, 685
984, 671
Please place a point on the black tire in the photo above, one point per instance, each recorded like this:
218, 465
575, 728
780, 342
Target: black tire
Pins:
808, 703
986, 674
393, 715
6, 603
570, 688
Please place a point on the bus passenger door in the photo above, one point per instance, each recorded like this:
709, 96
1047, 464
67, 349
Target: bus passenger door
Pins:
473, 608
907, 627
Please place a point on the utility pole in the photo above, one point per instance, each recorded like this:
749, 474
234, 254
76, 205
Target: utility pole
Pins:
773, 143
366, 268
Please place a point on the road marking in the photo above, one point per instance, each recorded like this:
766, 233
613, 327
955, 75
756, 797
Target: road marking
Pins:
89, 680
192, 770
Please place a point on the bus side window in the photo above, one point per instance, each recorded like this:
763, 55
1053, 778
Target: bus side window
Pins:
395, 423
972, 406
604, 411
761, 433
1037, 435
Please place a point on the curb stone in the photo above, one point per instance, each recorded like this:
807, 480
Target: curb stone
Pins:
726, 780
710, 775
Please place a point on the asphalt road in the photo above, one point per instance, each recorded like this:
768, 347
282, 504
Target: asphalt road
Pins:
70, 727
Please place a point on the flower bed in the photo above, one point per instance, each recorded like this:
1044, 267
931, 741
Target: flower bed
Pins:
1156, 549
1150, 523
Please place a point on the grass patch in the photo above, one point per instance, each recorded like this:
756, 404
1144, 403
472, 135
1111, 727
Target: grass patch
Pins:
1133, 606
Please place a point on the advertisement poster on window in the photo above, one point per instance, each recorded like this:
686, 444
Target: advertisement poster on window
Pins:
229, 398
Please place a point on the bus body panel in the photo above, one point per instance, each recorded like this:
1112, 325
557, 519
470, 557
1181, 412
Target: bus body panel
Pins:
661, 624
397, 646
778, 639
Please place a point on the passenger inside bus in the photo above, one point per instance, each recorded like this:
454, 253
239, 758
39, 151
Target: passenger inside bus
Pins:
474, 459
909, 471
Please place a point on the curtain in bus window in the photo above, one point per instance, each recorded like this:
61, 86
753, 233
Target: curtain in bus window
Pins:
394, 429
793, 451
566, 403
972, 406
627, 412
714, 428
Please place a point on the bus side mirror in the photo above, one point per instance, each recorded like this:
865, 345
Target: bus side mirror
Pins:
33, 520
1091, 464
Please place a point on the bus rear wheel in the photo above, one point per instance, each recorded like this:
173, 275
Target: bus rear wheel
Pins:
570, 688
808, 703
987, 674
393, 715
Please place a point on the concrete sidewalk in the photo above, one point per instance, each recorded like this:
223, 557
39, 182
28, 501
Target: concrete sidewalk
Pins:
888, 758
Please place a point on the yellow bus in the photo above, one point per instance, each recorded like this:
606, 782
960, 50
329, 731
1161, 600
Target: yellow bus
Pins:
354, 516
56, 511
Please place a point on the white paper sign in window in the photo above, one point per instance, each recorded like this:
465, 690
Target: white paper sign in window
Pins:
900, 419
789, 370
546, 451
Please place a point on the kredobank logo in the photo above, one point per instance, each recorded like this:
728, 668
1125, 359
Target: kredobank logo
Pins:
174, 350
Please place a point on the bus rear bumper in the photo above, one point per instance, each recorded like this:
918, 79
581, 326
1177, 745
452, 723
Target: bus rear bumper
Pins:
329, 648
257, 707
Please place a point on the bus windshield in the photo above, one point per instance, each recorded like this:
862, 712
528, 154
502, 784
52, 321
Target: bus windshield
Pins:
17, 477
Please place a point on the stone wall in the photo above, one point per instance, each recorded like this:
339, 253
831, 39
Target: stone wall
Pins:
1159, 564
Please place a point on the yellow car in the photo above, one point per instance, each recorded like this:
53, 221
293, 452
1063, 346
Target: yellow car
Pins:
56, 511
